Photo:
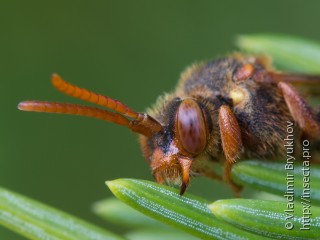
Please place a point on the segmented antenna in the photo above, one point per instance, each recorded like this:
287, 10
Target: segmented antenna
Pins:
141, 122
89, 96
73, 109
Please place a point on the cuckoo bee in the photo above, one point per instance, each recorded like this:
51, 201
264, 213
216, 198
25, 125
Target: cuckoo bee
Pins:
221, 111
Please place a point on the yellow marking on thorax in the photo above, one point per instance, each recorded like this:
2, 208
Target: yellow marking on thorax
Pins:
237, 96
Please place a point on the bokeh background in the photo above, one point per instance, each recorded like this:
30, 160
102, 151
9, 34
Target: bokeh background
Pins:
130, 50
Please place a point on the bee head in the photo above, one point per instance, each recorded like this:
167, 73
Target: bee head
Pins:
170, 141
183, 137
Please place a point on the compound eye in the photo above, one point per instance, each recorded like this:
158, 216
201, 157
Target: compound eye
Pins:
191, 126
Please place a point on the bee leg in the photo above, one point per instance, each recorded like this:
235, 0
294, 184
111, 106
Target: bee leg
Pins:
300, 110
212, 175
231, 143
293, 78
227, 178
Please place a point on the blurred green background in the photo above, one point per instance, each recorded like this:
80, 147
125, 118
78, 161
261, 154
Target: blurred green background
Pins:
130, 50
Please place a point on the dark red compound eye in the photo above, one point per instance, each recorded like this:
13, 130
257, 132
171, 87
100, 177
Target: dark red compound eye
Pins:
191, 127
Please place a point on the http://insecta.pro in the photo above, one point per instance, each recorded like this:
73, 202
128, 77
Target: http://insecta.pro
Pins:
222, 110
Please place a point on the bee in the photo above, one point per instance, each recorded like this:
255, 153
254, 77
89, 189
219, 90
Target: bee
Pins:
221, 110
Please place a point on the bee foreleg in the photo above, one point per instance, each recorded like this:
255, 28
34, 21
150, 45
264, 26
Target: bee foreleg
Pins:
300, 110
231, 143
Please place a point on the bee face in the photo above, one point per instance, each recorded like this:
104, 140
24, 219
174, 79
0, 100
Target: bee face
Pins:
172, 151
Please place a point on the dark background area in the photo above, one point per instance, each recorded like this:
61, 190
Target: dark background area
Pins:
130, 50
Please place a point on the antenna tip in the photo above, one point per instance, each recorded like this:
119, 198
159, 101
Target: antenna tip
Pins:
23, 106
54, 75
55, 78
